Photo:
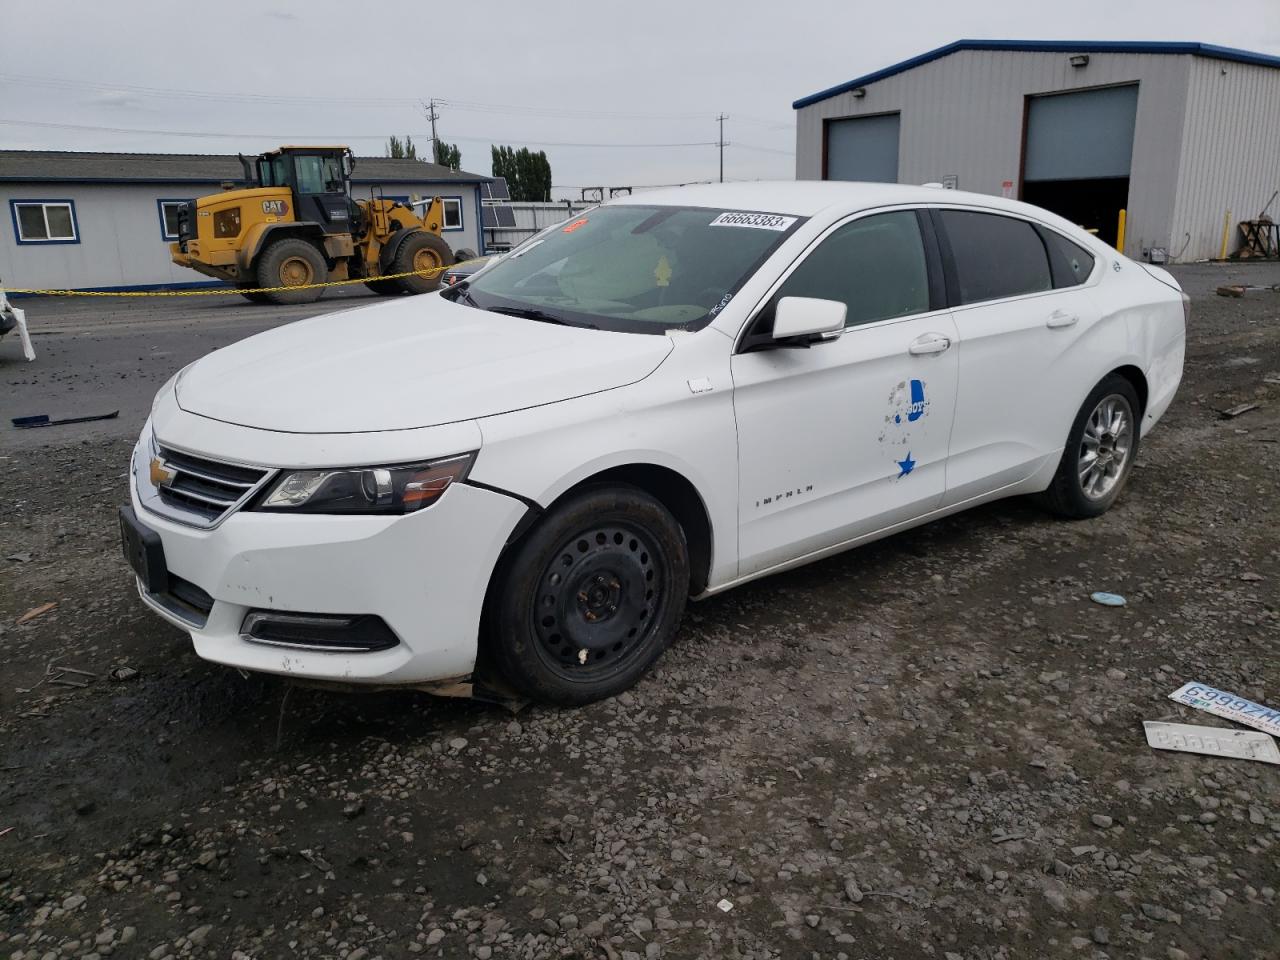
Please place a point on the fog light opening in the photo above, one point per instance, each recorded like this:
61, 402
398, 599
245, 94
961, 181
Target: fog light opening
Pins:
323, 632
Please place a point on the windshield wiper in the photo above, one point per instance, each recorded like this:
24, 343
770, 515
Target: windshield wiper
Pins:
532, 313
463, 295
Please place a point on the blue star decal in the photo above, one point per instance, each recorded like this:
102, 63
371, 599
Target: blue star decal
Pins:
907, 465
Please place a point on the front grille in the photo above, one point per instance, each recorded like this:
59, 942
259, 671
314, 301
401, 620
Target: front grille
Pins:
206, 488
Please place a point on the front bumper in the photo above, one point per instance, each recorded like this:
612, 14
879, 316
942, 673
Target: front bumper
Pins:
425, 574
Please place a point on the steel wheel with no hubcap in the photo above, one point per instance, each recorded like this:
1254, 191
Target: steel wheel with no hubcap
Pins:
1105, 446
595, 601
295, 272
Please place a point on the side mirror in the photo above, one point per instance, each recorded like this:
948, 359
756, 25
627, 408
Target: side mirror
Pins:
808, 317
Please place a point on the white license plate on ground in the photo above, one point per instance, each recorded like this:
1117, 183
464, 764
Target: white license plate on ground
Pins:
1228, 706
1214, 741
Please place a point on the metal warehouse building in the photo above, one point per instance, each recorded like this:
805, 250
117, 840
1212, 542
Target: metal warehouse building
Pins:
1182, 136
105, 220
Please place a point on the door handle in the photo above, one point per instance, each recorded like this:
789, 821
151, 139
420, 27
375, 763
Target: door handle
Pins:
928, 343
1060, 318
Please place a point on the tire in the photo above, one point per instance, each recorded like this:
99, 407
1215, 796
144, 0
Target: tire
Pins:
290, 262
1101, 447
254, 297
585, 604
420, 250
384, 288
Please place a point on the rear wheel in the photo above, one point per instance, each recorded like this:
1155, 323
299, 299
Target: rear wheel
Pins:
291, 263
421, 251
588, 601
1100, 451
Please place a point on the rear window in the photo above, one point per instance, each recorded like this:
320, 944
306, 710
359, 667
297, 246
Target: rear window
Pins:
1071, 263
995, 256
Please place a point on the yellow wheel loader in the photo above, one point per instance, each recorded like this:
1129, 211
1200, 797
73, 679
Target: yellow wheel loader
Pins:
299, 225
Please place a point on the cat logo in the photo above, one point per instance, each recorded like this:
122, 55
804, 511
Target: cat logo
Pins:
276, 208
161, 475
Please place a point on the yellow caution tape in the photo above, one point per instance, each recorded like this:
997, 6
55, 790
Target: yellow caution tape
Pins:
232, 291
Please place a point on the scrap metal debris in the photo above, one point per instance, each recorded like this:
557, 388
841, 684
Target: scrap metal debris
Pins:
1229, 706
1235, 411
123, 673
43, 420
1214, 741
725, 905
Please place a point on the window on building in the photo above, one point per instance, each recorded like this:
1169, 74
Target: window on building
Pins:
452, 213
169, 218
995, 256
1071, 263
44, 221
875, 266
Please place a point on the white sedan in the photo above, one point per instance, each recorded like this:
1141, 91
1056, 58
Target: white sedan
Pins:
516, 483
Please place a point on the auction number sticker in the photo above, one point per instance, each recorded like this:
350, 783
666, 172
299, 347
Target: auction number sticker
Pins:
760, 221
1229, 706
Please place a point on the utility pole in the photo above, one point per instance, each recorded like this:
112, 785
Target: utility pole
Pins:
433, 117
721, 144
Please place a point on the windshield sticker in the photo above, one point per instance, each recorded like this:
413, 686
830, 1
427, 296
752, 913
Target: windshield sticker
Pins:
760, 221
576, 225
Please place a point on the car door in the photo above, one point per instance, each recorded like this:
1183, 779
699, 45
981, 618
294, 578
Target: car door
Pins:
1017, 389
847, 436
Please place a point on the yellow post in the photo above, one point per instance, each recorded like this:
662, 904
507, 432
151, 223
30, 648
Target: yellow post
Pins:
1120, 231
1226, 229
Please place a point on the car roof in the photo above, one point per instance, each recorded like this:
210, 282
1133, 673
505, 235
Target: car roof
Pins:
807, 198
804, 198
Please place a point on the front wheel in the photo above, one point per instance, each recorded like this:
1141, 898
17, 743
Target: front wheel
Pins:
588, 601
292, 262
1100, 451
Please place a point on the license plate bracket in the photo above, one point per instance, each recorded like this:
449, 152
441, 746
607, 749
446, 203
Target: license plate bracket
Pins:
144, 552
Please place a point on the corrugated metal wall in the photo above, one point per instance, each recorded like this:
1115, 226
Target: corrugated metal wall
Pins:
1230, 154
532, 217
963, 115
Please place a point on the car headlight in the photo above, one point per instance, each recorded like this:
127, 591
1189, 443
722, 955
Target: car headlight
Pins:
395, 490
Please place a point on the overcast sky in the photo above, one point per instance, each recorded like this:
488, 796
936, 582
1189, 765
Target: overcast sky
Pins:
559, 75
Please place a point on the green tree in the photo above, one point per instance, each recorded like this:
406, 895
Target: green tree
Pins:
404, 149
448, 155
528, 174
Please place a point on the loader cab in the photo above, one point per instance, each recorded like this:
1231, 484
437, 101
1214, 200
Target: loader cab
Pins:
319, 179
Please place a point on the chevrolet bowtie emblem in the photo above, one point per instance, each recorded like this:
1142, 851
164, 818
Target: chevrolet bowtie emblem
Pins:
160, 474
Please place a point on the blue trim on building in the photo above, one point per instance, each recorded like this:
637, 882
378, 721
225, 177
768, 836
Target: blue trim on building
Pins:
164, 227
28, 201
483, 247
1209, 50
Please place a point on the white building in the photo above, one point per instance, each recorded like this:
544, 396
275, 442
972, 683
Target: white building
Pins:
105, 220
1182, 136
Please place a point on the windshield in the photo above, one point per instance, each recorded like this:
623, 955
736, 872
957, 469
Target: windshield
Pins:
632, 268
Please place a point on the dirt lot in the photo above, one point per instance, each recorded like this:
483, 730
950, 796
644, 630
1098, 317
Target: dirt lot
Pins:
930, 747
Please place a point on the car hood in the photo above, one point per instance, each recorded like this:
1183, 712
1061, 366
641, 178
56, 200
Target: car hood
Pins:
415, 362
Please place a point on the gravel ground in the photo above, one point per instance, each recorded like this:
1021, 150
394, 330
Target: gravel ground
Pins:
929, 747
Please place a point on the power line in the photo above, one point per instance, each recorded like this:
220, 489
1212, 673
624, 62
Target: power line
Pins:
329, 136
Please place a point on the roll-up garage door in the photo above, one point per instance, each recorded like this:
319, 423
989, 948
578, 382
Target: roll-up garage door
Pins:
863, 148
1081, 136
1079, 147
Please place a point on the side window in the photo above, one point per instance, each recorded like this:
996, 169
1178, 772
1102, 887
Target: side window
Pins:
995, 256
169, 210
44, 221
452, 213
1071, 263
876, 266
